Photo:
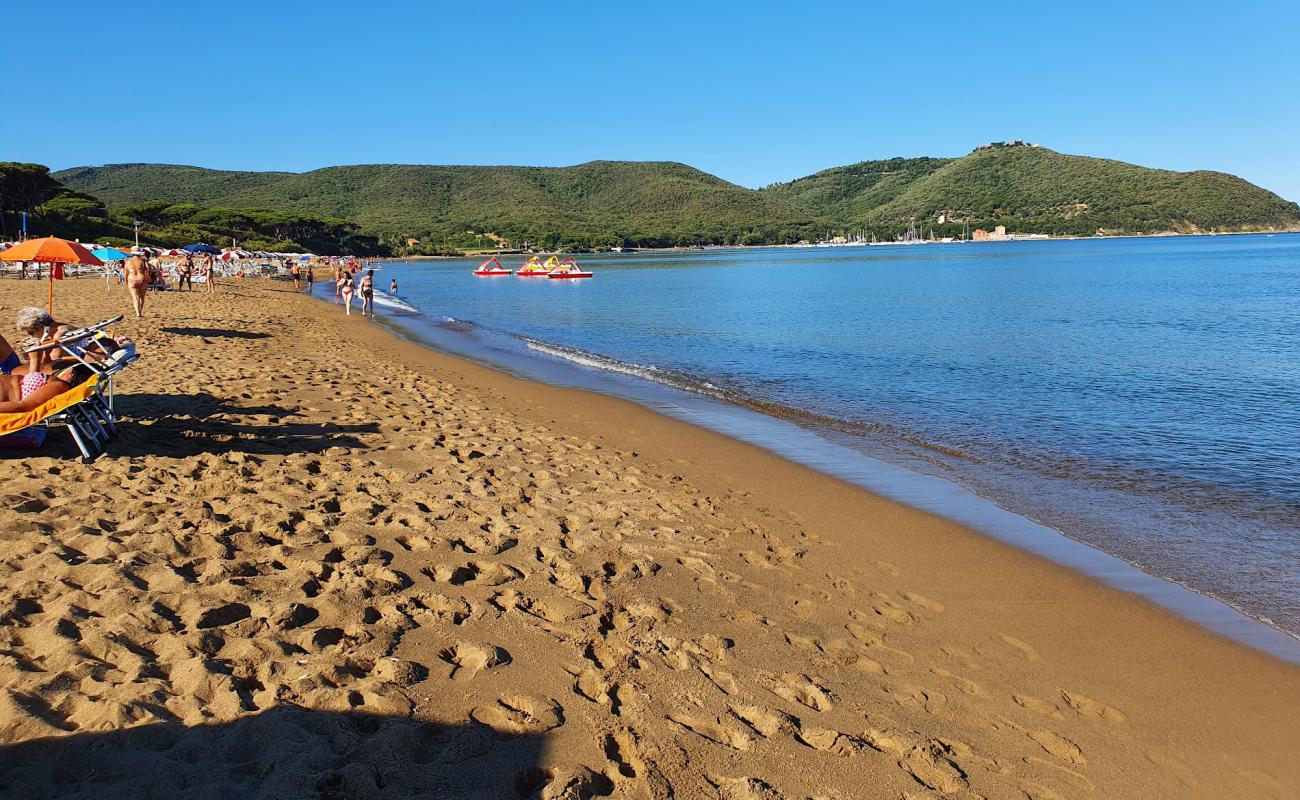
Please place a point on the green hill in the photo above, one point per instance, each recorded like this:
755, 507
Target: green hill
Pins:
1027, 188
53, 209
594, 204
1034, 190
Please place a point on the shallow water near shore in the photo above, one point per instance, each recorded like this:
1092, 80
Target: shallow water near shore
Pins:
1139, 396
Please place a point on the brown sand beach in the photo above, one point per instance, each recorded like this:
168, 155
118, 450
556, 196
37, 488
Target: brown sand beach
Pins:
322, 562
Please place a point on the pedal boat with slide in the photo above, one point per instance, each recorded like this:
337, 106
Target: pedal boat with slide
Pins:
491, 268
534, 268
567, 270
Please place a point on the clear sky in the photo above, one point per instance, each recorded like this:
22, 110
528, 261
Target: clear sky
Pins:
753, 92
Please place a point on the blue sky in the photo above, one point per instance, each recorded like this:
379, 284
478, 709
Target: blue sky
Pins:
753, 92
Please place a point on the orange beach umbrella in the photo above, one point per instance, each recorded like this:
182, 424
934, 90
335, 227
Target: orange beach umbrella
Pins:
51, 250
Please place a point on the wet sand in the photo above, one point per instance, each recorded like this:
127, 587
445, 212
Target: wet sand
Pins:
322, 562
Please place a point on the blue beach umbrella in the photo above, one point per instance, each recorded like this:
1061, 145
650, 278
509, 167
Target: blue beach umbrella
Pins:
201, 248
109, 254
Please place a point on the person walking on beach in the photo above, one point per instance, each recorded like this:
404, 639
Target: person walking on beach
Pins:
296, 274
184, 274
338, 279
311, 279
368, 294
346, 289
137, 282
211, 272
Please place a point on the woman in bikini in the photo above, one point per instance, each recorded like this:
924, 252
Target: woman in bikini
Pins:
22, 393
137, 282
368, 294
346, 288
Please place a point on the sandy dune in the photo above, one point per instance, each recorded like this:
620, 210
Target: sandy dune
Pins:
319, 562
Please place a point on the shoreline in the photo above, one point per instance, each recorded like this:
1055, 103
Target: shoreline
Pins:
752, 623
764, 426
1014, 237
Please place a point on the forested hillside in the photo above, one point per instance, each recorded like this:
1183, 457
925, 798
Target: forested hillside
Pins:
1033, 190
1028, 189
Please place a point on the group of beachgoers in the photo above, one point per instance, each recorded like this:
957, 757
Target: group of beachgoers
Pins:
350, 282
141, 273
26, 383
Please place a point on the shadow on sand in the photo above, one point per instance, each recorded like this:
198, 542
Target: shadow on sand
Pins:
171, 426
217, 333
290, 752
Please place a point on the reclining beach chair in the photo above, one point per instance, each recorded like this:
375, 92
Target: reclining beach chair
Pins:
90, 347
73, 409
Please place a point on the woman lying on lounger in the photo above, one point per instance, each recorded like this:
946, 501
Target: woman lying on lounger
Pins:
22, 393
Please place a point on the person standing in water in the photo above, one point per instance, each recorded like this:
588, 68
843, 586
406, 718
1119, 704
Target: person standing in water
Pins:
137, 282
368, 294
392, 288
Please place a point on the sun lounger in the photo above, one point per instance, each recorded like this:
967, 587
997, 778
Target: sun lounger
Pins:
74, 409
89, 346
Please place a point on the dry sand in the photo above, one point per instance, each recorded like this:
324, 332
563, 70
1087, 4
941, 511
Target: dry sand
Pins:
321, 562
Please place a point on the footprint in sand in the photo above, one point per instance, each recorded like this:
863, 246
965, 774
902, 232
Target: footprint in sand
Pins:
443, 608
933, 766
475, 573
1025, 650
914, 697
715, 730
803, 690
766, 722
719, 677
1059, 746
924, 602
746, 789
828, 741
1088, 707
590, 684
966, 685
1031, 703
467, 659
559, 783
521, 713
893, 613
620, 749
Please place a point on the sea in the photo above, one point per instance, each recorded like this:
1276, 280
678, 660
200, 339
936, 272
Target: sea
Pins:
1129, 407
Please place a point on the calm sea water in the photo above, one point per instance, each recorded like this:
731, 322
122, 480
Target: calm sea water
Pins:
1141, 396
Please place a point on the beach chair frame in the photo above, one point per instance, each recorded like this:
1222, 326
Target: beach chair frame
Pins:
83, 417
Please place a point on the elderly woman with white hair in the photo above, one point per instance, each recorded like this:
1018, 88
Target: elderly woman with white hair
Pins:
37, 323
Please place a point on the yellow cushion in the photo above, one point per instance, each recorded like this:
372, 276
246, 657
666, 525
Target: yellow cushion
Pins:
10, 423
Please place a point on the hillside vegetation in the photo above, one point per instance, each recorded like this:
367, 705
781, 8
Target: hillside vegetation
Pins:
1033, 190
597, 204
1028, 189
53, 209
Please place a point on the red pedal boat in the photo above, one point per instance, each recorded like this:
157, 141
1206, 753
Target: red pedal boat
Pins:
568, 269
491, 268
534, 268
